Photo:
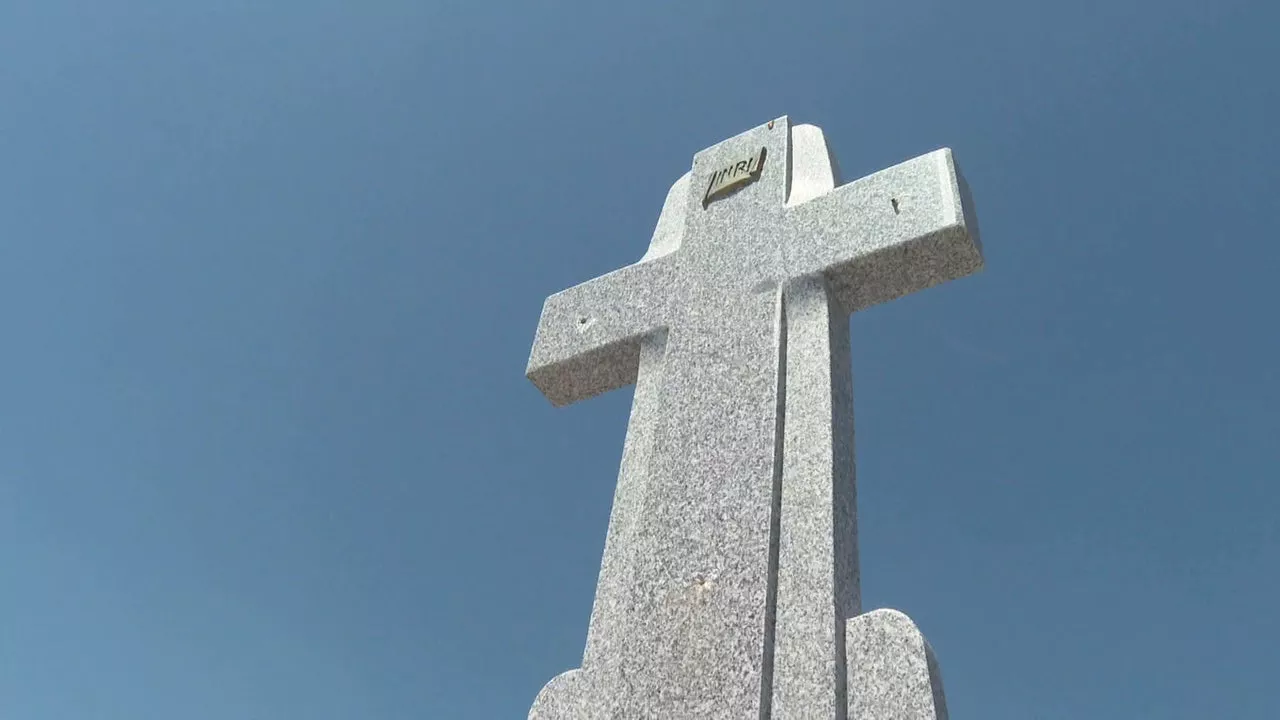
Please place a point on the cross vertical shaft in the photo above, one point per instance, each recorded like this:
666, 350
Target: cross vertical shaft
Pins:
817, 578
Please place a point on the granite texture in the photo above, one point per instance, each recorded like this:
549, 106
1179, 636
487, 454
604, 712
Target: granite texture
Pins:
730, 563
817, 577
892, 671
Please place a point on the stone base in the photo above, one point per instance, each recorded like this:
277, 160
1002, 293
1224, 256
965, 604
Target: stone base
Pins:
566, 697
892, 673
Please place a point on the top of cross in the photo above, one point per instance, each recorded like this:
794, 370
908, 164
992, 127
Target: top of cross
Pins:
756, 211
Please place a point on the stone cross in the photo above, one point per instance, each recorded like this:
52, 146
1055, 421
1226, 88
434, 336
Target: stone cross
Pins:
729, 583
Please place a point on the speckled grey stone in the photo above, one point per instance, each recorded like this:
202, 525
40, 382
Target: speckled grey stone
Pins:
730, 564
892, 671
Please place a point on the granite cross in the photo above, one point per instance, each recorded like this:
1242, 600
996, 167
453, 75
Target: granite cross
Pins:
729, 582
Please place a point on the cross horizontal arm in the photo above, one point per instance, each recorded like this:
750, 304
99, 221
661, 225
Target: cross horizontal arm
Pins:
903, 229
588, 339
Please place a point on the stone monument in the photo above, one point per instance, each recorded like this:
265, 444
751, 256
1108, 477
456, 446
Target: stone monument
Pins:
729, 583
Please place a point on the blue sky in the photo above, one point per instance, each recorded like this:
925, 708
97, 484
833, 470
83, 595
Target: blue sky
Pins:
269, 275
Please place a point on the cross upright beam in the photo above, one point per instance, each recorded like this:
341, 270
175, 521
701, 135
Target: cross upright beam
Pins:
730, 564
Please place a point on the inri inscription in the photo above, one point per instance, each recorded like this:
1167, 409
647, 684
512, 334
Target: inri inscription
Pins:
725, 180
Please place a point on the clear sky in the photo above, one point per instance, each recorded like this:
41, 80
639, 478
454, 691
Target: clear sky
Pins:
270, 272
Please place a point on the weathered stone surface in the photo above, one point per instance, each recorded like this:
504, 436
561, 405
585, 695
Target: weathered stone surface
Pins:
893, 674
730, 563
